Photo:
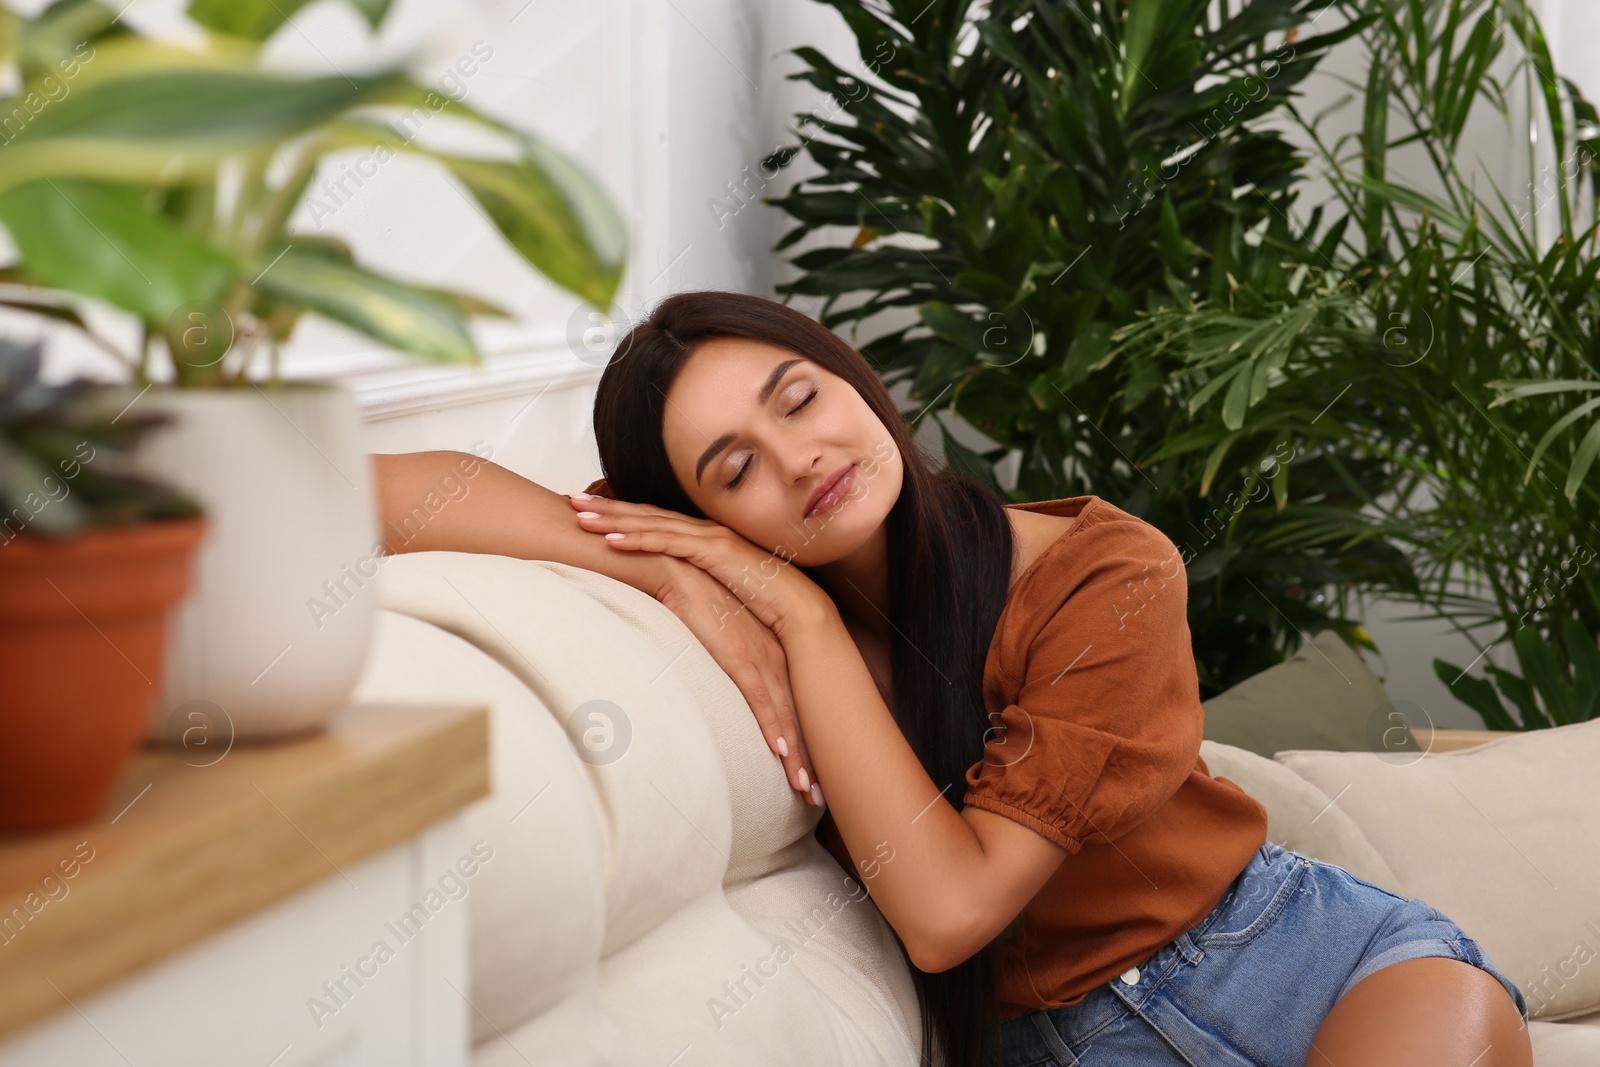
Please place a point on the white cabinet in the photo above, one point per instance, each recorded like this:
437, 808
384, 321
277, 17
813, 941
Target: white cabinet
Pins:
355, 971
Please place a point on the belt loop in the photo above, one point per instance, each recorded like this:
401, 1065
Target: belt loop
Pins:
1191, 952
1052, 1040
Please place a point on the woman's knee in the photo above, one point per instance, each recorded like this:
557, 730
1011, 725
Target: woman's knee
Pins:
1428, 1012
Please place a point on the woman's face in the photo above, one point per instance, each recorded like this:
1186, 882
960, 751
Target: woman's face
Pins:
753, 431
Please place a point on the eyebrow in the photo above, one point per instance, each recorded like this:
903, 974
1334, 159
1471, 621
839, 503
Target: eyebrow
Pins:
726, 439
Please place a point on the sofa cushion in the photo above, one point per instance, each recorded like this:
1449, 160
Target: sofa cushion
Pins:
1299, 815
1500, 837
517, 892
1563, 1044
1322, 697
1568, 1043
657, 890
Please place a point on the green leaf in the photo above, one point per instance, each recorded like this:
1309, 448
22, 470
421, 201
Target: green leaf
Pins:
27, 487
1173, 252
1237, 380
1582, 460
1462, 76
59, 312
99, 240
10, 32
1144, 380
555, 215
1237, 400
1417, 201
963, 460
990, 288
1584, 656
1538, 662
51, 42
1139, 41
1520, 388
1520, 693
412, 319
1374, 152
943, 364
1475, 693
1552, 433
466, 304
952, 326
1534, 47
1088, 352
374, 10
1214, 461
258, 19
170, 125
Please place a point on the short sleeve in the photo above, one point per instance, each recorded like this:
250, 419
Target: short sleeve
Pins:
1107, 722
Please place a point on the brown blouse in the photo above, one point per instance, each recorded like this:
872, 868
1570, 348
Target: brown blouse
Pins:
1094, 744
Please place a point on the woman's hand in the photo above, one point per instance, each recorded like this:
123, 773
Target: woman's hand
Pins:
779, 596
751, 655
743, 646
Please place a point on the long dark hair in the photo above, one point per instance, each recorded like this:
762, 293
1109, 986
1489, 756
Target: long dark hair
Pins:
950, 547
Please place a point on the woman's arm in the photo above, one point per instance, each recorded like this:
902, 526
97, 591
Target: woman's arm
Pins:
957, 878
457, 502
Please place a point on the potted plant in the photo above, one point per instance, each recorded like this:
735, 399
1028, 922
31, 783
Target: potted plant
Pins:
160, 180
93, 557
1071, 165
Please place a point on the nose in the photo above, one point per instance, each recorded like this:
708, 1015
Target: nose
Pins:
800, 461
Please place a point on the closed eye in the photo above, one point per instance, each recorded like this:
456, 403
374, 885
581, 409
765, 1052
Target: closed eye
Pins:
738, 478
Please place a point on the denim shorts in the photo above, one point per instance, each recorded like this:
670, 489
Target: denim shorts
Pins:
1248, 985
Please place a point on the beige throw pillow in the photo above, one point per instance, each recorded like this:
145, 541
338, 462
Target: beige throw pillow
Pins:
1504, 838
1299, 815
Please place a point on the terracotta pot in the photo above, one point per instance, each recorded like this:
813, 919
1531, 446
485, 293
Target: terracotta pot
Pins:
83, 640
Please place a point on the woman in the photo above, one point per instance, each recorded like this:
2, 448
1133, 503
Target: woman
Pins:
1006, 696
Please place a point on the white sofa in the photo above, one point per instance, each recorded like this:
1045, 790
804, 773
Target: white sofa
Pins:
658, 897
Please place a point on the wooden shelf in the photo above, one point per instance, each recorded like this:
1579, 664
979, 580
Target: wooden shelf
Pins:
183, 851
1439, 739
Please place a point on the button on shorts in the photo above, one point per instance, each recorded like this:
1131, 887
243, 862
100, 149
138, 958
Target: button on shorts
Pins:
1250, 984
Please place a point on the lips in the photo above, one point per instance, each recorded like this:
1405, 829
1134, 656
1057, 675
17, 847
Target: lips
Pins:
828, 492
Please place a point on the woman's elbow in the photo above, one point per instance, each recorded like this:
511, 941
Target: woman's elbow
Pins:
950, 945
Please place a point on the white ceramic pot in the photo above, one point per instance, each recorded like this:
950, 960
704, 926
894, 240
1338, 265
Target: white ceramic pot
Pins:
272, 638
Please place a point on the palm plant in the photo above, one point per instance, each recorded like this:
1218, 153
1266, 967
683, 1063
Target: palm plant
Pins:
1455, 338
1034, 179
160, 179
